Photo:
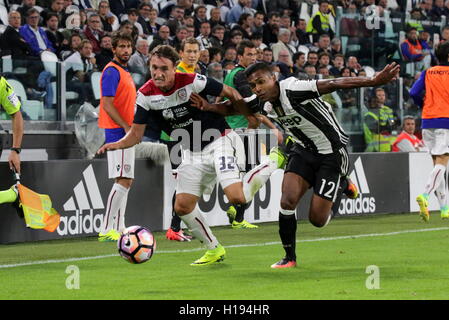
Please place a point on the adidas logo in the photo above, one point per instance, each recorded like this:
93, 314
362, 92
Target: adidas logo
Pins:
87, 198
364, 203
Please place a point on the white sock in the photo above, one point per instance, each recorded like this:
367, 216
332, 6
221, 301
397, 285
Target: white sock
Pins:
120, 221
115, 201
441, 193
435, 179
199, 227
254, 179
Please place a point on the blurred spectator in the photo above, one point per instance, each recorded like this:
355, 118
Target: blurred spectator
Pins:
106, 16
245, 23
319, 23
138, 63
267, 56
74, 43
236, 11
258, 22
105, 55
284, 57
234, 39
34, 35
354, 65
217, 38
144, 17
86, 5
128, 28
119, 7
426, 7
203, 61
438, 9
23, 9
203, 37
176, 19
310, 71
162, 37
152, 25
324, 59
446, 8
190, 31
335, 47
301, 34
79, 67
417, 16
57, 7
415, 50
11, 42
133, 16
312, 58
270, 29
283, 45
93, 32
338, 63
299, 60
215, 55
53, 34
181, 34
215, 71
230, 56
199, 17
407, 141
445, 34
215, 18
227, 66
324, 42
379, 123
257, 38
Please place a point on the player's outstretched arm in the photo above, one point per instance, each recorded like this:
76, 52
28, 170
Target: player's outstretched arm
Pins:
389, 73
223, 108
240, 106
133, 137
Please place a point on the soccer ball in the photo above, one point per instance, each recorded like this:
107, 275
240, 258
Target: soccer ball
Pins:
136, 244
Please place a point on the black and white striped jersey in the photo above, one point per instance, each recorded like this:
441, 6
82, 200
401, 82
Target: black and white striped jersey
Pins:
305, 116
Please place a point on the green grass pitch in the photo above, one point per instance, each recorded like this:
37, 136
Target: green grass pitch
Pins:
411, 257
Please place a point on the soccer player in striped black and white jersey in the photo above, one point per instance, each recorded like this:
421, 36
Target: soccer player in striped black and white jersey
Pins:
318, 156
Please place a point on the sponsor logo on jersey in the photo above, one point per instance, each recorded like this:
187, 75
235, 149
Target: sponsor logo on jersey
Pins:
364, 202
289, 121
168, 114
82, 215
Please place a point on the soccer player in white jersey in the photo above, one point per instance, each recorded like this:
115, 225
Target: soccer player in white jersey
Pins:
211, 151
318, 156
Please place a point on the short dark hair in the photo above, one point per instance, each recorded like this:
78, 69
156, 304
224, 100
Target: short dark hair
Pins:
442, 52
273, 14
296, 55
165, 51
190, 40
256, 36
51, 15
119, 36
31, 11
258, 66
243, 45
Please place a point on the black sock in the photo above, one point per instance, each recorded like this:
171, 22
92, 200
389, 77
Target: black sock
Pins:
287, 231
240, 208
175, 220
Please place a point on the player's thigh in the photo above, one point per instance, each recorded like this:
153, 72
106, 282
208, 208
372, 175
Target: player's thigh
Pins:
437, 140
121, 163
229, 160
294, 187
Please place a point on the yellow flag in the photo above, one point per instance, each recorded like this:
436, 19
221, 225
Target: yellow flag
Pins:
37, 210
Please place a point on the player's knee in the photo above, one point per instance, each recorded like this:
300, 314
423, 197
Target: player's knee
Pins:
288, 203
236, 198
320, 220
181, 209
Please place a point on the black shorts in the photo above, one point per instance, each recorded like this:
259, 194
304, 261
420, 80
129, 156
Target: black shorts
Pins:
321, 171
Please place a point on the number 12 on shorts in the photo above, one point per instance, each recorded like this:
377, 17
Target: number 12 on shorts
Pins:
331, 185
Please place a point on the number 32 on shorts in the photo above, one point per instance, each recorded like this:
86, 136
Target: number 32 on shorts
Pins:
227, 163
327, 189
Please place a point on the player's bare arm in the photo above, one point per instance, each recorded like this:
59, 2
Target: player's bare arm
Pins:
389, 73
114, 114
133, 137
224, 108
17, 129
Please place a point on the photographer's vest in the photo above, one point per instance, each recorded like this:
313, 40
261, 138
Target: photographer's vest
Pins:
405, 136
236, 121
325, 25
377, 142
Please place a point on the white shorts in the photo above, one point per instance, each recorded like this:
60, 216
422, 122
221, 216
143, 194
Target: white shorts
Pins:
221, 161
121, 163
436, 140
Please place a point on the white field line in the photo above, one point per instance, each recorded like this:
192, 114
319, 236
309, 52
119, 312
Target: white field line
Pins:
32, 263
